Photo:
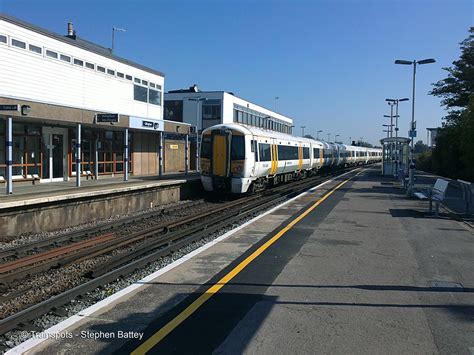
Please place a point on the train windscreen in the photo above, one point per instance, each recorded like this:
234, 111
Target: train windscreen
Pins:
237, 150
206, 147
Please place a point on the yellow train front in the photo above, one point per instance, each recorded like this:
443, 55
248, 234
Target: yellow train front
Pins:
223, 159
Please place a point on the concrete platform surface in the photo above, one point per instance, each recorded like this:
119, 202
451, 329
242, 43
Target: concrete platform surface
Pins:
28, 194
367, 271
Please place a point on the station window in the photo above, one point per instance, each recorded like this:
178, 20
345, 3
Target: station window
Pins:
78, 62
110, 72
158, 87
35, 49
154, 97
90, 66
3, 39
174, 110
138, 81
128, 77
120, 75
101, 69
19, 44
65, 58
140, 93
152, 85
51, 54
144, 82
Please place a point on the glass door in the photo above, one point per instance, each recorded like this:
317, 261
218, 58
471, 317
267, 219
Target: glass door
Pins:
54, 154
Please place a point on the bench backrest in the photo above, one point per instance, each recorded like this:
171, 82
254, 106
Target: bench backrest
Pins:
466, 188
440, 187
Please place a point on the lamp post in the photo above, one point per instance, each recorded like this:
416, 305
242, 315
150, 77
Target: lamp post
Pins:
329, 137
302, 130
113, 36
397, 146
335, 138
412, 128
197, 100
388, 128
317, 133
276, 99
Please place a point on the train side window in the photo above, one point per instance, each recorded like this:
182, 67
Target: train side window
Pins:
206, 147
264, 151
254, 149
305, 153
316, 152
237, 148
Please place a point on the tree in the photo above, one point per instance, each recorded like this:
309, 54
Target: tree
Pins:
420, 147
454, 152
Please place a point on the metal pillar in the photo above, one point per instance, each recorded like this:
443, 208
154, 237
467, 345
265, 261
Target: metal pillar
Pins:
411, 171
96, 159
78, 155
125, 156
397, 146
9, 155
197, 150
186, 155
160, 165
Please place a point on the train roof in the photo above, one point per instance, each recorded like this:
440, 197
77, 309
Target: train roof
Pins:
283, 136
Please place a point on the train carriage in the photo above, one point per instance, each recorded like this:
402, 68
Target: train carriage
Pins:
237, 158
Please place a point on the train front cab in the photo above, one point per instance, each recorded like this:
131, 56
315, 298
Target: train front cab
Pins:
223, 161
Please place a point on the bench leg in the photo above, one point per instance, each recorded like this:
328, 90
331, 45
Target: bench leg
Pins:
437, 209
431, 205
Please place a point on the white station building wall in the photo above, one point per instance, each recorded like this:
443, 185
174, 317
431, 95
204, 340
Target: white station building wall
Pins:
36, 77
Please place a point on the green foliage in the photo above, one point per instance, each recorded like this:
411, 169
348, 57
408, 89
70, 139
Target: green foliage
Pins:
424, 161
420, 147
454, 152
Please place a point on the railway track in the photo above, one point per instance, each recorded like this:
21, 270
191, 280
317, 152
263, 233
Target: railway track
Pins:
151, 244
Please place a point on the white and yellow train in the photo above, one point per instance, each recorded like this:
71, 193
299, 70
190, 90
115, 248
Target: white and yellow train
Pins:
238, 159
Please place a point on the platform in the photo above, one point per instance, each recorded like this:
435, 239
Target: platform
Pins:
49, 206
350, 267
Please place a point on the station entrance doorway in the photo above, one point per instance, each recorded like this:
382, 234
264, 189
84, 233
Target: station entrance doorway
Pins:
54, 154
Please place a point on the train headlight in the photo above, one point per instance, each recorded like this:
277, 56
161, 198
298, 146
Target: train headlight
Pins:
237, 168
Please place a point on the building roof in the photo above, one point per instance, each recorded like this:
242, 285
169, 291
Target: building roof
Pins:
77, 42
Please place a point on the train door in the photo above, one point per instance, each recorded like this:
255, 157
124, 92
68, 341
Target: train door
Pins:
274, 149
220, 153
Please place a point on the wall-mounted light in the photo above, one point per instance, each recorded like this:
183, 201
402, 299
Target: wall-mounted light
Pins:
25, 110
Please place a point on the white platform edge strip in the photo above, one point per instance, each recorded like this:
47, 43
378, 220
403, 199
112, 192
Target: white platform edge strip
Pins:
29, 344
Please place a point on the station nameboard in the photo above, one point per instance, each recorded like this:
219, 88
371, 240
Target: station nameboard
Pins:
9, 107
148, 124
107, 117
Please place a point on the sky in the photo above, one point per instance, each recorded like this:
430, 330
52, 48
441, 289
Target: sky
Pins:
330, 63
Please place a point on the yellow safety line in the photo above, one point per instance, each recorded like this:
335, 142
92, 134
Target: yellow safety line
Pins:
193, 307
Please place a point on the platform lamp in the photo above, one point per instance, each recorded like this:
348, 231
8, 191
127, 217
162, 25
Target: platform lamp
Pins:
397, 146
335, 138
412, 128
317, 133
388, 128
302, 130
329, 137
197, 100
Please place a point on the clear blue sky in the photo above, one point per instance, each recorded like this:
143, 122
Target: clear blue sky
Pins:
329, 62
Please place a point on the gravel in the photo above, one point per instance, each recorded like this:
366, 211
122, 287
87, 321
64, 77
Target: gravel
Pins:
16, 337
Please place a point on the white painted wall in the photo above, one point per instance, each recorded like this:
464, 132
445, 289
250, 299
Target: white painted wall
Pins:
228, 100
30, 76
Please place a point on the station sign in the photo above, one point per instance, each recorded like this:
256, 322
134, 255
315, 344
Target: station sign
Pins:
412, 134
148, 124
174, 146
107, 118
10, 108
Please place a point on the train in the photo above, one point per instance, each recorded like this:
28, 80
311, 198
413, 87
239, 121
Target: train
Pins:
239, 159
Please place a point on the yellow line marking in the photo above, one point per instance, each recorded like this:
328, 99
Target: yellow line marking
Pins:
193, 307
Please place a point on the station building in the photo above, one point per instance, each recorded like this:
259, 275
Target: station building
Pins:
203, 109
73, 96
